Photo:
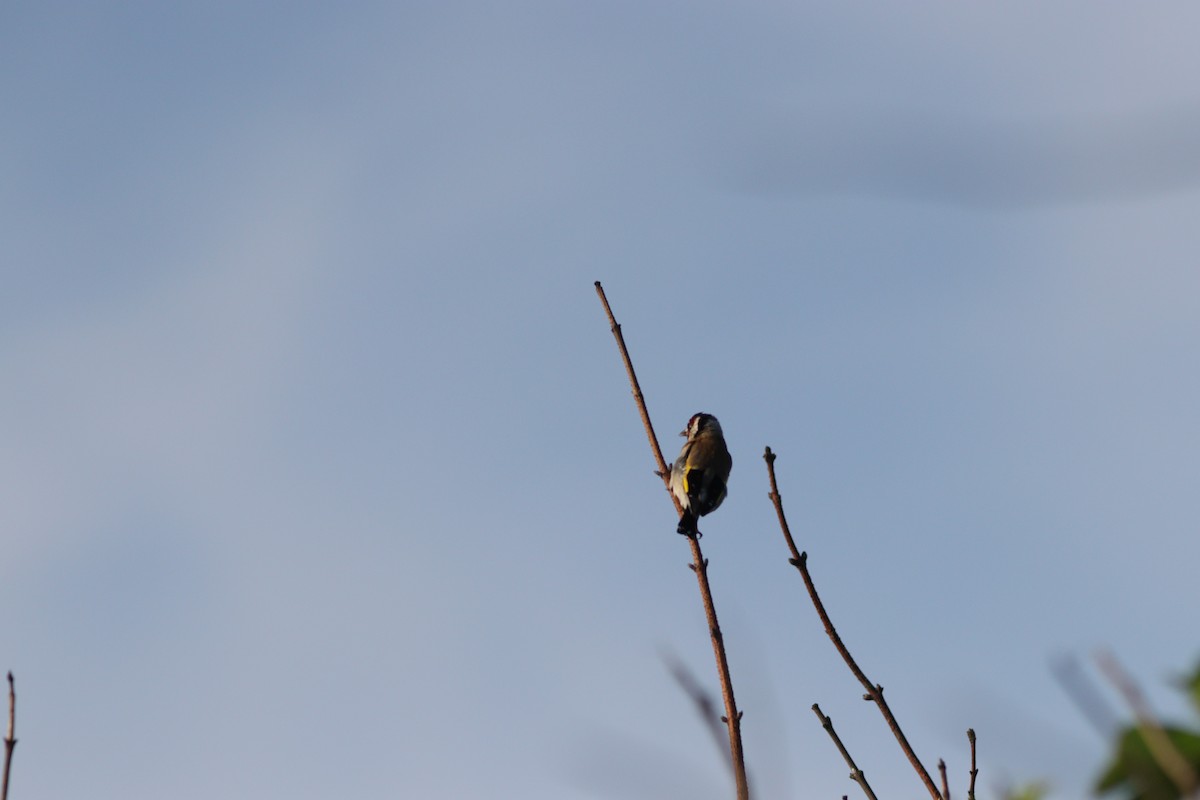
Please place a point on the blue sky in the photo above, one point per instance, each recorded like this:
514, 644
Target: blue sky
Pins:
322, 475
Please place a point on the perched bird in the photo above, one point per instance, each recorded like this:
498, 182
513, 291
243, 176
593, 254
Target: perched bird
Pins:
699, 475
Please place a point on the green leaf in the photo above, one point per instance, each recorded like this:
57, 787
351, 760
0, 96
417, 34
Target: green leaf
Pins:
1135, 773
1036, 790
1191, 685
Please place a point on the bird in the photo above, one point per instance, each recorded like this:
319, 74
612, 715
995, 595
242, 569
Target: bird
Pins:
700, 474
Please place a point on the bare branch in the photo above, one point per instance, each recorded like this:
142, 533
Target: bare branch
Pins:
856, 774
874, 691
1161, 748
638, 397
10, 738
699, 565
945, 780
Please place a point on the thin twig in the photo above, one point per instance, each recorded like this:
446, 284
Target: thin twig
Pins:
638, 397
699, 565
974, 769
1158, 742
856, 774
10, 738
703, 702
945, 780
874, 692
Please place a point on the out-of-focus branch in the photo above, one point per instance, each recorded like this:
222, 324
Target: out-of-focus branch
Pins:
1083, 693
945, 779
703, 702
874, 691
1161, 748
699, 565
856, 774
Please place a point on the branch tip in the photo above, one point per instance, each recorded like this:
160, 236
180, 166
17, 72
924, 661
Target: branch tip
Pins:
10, 738
974, 773
856, 774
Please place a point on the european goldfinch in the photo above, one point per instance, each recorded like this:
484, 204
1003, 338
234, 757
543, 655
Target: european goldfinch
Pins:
699, 475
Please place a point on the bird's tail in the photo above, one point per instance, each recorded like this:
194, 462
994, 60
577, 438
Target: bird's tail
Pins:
687, 524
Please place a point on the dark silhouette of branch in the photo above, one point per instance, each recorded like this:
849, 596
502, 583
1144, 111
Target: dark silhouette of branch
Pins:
874, 691
974, 769
856, 774
945, 780
699, 565
10, 738
1161, 748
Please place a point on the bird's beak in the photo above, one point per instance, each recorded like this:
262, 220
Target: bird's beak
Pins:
683, 432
